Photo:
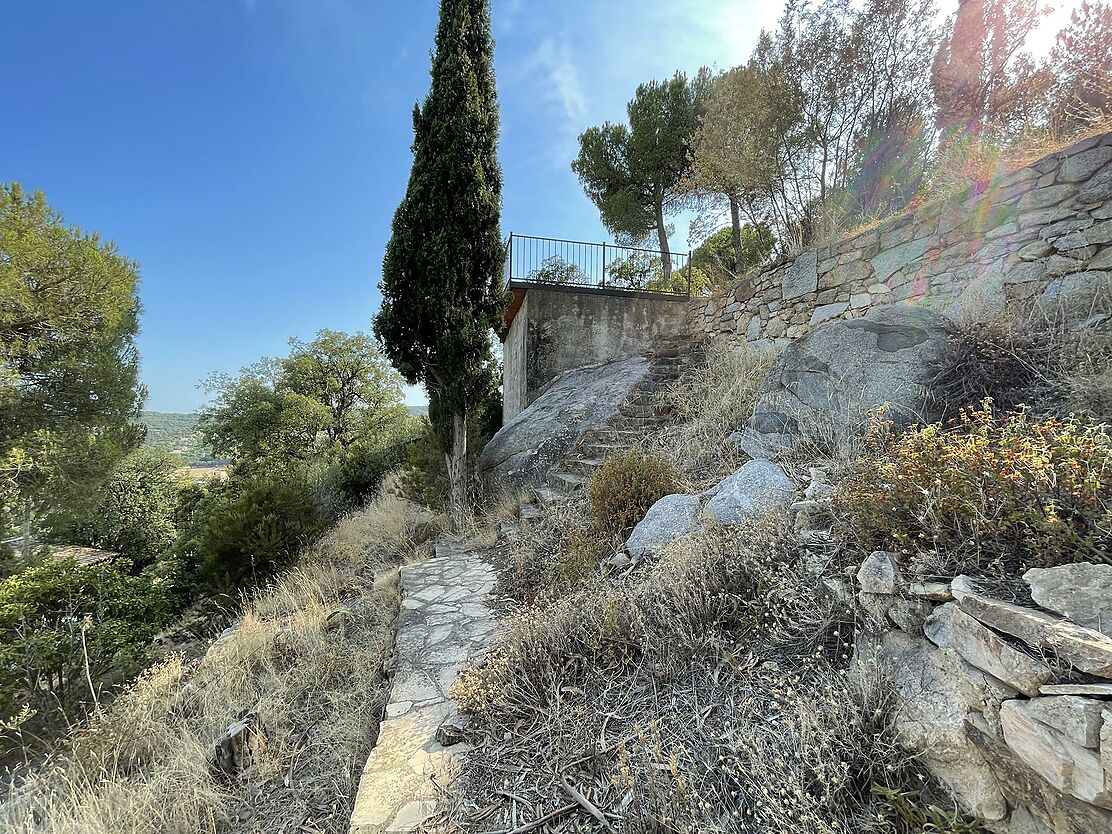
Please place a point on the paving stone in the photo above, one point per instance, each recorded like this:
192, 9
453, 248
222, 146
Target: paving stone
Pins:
444, 620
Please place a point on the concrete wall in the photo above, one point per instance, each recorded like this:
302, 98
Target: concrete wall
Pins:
557, 329
1038, 234
514, 393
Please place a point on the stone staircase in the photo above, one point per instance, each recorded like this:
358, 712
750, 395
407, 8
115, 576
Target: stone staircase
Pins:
637, 417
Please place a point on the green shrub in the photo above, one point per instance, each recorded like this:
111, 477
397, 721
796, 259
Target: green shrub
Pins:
134, 515
1000, 494
575, 562
625, 487
54, 616
251, 530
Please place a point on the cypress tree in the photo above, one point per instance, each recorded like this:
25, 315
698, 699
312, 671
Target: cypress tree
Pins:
441, 285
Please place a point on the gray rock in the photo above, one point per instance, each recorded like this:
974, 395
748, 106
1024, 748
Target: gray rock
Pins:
1103, 689
802, 277
1076, 290
936, 591
825, 382
951, 628
1078, 719
757, 487
528, 447
669, 518
879, 574
1070, 768
1084, 649
891, 261
1098, 187
1081, 592
1082, 166
935, 698
829, 311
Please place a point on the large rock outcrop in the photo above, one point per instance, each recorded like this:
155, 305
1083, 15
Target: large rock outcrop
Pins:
825, 383
528, 447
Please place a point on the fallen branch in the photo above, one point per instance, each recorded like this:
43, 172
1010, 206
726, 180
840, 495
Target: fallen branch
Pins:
551, 815
585, 803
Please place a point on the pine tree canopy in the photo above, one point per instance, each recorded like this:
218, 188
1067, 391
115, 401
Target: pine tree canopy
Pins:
441, 283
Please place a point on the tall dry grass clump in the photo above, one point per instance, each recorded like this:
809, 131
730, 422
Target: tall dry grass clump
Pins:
304, 669
710, 400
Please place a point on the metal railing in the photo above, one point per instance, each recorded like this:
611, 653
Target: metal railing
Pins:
552, 261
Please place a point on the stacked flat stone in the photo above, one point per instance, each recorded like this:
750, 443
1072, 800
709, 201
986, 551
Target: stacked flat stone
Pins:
1007, 704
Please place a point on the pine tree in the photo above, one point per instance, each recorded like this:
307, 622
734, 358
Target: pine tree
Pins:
441, 283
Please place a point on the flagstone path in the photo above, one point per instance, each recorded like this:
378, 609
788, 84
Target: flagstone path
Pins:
444, 620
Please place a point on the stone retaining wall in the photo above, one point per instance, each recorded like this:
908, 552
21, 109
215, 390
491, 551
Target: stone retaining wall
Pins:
1042, 233
1008, 705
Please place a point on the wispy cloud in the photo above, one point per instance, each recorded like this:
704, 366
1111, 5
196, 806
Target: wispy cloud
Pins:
552, 68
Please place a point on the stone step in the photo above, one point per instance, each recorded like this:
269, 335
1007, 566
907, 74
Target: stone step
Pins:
581, 466
548, 495
566, 481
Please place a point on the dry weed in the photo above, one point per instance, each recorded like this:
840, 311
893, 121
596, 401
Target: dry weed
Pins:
304, 667
707, 402
707, 692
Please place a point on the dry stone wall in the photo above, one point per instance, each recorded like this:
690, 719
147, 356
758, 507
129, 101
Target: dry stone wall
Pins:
1006, 704
1041, 234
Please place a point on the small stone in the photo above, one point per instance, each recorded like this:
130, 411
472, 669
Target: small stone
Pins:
1082, 592
1077, 718
448, 735
829, 311
860, 300
1098, 689
1034, 251
879, 574
951, 628
936, 591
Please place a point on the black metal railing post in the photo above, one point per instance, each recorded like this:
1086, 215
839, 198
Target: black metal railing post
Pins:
603, 281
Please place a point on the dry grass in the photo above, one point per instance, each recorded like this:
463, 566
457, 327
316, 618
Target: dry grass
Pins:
708, 691
552, 554
1042, 359
707, 402
305, 667
969, 164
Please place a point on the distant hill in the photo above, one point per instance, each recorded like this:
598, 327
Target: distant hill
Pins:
174, 432
417, 410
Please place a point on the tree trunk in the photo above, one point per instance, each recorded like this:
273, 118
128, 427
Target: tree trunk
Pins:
456, 458
662, 236
735, 233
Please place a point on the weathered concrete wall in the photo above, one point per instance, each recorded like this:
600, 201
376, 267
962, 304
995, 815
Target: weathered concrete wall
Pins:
557, 329
514, 394
1030, 236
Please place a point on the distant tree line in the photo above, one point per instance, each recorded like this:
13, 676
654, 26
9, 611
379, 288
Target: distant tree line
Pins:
843, 113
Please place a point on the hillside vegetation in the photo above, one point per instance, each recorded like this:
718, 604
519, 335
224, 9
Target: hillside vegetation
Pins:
178, 434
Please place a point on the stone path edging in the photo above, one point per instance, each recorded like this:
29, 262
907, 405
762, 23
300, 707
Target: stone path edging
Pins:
444, 620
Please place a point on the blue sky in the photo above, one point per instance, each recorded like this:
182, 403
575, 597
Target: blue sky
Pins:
250, 153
